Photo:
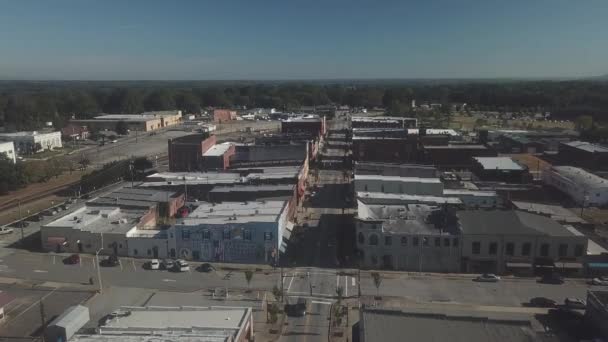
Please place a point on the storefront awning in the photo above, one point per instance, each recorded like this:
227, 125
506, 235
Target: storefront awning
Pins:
598, 265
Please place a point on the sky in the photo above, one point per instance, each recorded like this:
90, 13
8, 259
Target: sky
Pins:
293, 39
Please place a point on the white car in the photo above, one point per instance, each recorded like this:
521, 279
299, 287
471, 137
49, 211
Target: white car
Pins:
181, 266
600, 281
5, 230
154, 264
488, 278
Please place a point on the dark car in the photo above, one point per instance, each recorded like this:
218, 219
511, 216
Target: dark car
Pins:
72, 259
542, 302
206, 267
566, 314
110, 261
552, 279
297, 309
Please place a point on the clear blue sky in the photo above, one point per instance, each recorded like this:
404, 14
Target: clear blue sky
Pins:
293, 39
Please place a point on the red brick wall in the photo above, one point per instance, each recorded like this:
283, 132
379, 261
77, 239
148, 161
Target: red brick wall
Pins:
223, 115
208, 143
227, 155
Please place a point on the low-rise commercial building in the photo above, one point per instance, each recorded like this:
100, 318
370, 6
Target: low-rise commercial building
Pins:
258, 155
164, 203
455, 156
500, 169
223, 115
495, 241
33, 142
583, 154
177, 324
74, 132
406, 237
399, 185
583, 187
249, 232
383, 122
8, 149
218, 156
95, 228
144, 122
313, 125
186, 153
400, 170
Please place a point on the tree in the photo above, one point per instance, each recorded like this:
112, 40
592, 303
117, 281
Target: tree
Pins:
277, 293
248, 277
584, 122
140, 164
377, 281
339, 293
122, 128
84, 162
273, 311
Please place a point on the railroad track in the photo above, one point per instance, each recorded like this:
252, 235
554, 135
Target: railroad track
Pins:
14, 202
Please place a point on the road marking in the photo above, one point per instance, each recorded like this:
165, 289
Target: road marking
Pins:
337, 281
94, 263
346, 286
33, 304
169, 280
40, 271
321, 302
293, 276
120, 264
353, 281
133, 263
53, 260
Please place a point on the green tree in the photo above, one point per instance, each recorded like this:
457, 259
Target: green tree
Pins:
141, 164
277, 293
248, 277
122, 128
377, 281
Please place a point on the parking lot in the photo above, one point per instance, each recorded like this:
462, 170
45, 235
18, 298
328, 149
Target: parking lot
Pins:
23, 315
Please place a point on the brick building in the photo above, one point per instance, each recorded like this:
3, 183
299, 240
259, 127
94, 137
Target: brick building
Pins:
223, 115
186, 153
218, 156
583, 154
311, 125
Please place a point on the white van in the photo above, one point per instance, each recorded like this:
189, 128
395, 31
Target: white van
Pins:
182, 266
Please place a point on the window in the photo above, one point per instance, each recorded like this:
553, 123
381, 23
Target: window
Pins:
374, 259
373, 240
526, 248
455, 242
361, 238
544, 250
476, 247
185, 234
268, 236
425, 241
247, 234
171, 235
404, 241
365, 187
415, 241
510, 248
446, 242
149, 252
382, 188
173, 252
437, 242
373, 226
578, 250
135, 252
388, 240
562, 250
226, 235
493, 248
206, 235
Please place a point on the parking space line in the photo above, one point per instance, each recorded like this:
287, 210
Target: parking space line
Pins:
94, 263
120, 264
338, 281
133, 263
293, 276
353, 281
53, 260
33, 304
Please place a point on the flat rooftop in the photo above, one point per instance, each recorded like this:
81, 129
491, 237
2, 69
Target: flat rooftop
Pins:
181, 324
498, 163
581, 177
234, 212
409, 218
510, 222
218, 150
252, 188
389, 198
397, 179
556, 212
134, 197
587, 147
27, 133
455, 147
99, 219
394, 325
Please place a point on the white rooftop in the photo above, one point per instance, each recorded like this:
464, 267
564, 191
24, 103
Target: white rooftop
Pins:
234, 212
581, 177
434, 131
589, 147
218, 150
397, 179
27, 133
387, 198
498, 163
99, 219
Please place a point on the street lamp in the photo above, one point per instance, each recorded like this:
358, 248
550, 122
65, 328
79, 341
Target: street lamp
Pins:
98, 266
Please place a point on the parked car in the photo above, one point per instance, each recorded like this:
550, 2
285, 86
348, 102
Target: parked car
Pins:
297, 309
553, 278
181, 266
575, 303
5, 230
110, 261
64, 207
167, 264
542, 302
206, 267
488, 278
566, 314
599, 281
154, 264
72, 259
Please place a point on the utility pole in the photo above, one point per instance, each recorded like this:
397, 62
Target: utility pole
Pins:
21, 220
98, 266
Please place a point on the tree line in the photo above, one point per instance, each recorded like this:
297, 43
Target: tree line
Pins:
28, 105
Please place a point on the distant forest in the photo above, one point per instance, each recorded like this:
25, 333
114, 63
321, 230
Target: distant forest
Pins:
28, 105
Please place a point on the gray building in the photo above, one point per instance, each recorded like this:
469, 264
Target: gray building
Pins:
249, 232
500, 240
400, 170
399, 185
597, 311
406, 237
67, 324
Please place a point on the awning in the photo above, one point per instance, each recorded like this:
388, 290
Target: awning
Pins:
598, 265
55, 240
519, 265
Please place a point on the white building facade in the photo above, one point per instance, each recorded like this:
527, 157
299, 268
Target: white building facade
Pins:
8, 149
584, 188
33, 142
